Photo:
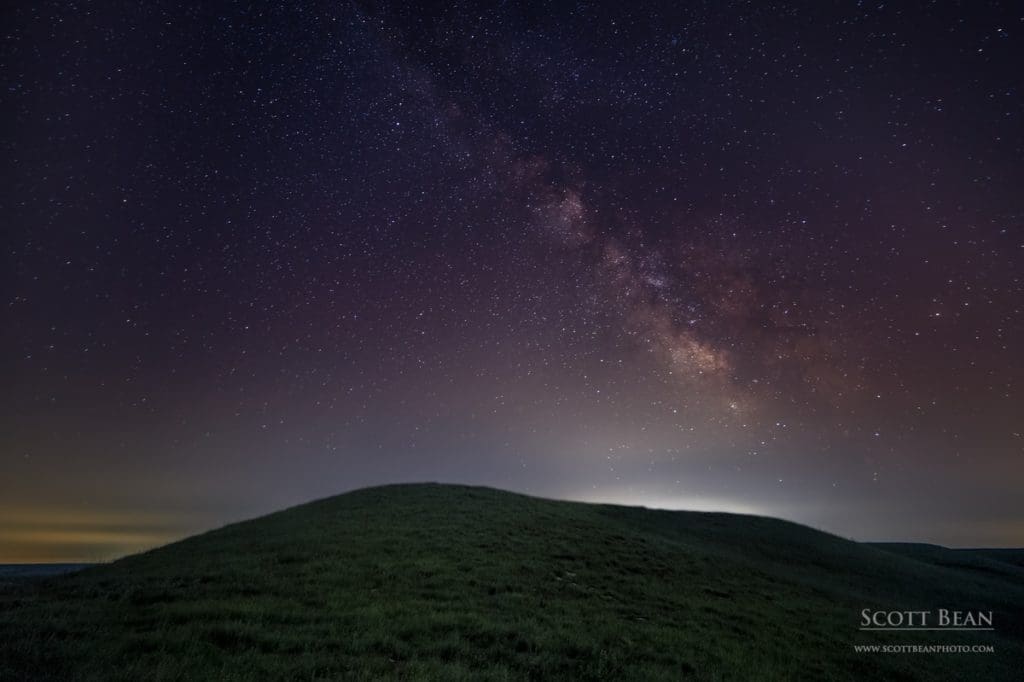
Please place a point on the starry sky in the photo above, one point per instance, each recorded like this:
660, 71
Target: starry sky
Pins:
747, 256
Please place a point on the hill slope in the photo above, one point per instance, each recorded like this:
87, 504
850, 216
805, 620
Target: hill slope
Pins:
451, 582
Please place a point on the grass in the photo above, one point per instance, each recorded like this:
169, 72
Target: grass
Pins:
445, 582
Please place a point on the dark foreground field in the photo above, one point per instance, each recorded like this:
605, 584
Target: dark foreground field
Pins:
456, 583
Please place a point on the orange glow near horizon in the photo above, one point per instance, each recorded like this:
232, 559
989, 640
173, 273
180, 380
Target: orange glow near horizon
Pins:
40, 536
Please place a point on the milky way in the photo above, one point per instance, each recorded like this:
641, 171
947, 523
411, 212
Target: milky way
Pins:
754, 257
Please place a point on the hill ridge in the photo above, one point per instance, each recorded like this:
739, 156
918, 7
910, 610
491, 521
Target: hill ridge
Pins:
439, 581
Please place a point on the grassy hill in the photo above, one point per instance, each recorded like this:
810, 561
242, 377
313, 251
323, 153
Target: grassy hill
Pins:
458, 583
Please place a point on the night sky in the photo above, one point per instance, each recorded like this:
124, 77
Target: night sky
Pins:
755, 257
